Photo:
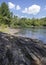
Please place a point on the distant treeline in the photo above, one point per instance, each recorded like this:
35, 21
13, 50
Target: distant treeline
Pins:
7, 19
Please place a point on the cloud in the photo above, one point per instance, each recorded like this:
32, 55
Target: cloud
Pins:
45, 8
43, 16
34, 9
23, 16
11, 5
18, 7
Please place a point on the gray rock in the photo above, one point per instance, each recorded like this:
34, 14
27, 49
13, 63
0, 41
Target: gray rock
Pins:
21, 51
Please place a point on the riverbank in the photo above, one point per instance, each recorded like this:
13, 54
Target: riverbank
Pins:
34, 33
29, 27
21, 51
9, 30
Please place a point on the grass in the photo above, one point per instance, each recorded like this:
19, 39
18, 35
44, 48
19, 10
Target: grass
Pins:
4, 29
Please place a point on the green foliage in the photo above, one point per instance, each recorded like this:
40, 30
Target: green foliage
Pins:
4, 14
5, 10
24, 22
7, 18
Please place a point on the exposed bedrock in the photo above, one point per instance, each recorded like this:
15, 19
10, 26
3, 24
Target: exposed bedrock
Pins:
21, 51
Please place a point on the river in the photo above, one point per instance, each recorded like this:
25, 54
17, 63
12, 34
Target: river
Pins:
35, 33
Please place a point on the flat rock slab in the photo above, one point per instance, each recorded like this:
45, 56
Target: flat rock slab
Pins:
21, 51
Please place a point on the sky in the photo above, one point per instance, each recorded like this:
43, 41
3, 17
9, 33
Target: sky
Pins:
27, 8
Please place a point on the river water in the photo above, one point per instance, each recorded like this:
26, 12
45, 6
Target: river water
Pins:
35, 33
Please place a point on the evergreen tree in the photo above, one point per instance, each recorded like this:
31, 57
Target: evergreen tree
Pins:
5, 10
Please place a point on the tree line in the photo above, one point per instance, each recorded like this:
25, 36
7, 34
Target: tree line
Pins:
8, 19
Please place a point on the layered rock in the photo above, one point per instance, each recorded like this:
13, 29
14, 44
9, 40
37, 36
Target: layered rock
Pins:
21, 51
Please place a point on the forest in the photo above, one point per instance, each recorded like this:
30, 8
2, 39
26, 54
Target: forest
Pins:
7, 18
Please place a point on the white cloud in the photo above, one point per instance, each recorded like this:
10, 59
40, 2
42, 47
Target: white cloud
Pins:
23, 16
34, 9
43, 16
18, 7
11, 5
45, 8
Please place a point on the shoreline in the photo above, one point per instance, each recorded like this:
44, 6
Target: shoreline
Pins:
29, 27
23, 50
15, 31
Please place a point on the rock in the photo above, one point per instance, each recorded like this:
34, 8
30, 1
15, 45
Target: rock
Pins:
21, 51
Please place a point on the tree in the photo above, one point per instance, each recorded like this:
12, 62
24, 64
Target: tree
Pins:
5, 10
5, 13
33, 21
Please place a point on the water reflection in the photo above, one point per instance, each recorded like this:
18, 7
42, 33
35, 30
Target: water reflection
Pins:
34, 33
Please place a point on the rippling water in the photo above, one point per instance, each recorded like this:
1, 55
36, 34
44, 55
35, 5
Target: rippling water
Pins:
35, 33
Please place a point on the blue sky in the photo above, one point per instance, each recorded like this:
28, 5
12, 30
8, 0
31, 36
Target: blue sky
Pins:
27, 8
